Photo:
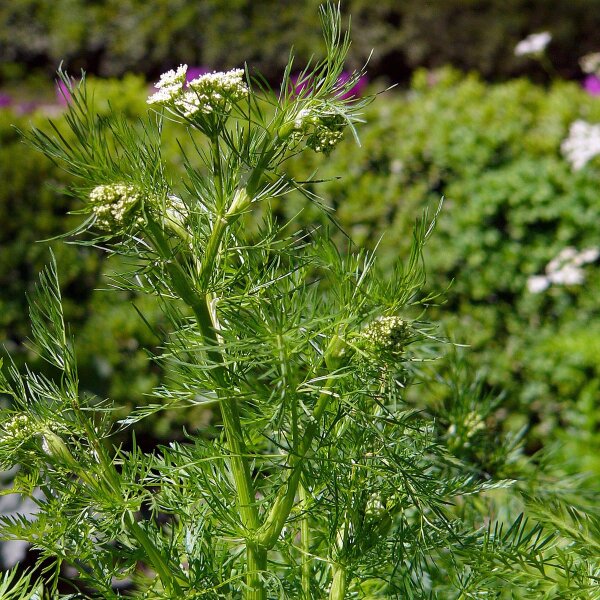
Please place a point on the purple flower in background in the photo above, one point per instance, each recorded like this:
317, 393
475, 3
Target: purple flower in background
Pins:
195, 72
354, 92
62, 92
357, 89
591, 84
5, 100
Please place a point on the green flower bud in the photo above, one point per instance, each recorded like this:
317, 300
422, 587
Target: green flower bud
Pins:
241, 201
388, 334
116, 206
54, 446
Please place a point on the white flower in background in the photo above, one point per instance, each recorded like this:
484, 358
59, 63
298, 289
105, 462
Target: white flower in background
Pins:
587, 256
564, 269
169, 86
582, 143
564, 257
568, 275
590, 63
537, 284
113, 204
533, 44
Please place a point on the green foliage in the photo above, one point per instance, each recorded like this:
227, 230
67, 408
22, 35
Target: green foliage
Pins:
321, 479
34, 200
512, 205
112, 37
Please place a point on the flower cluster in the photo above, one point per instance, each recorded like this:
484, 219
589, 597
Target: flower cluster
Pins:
582, 143
211, 92
324, 129
461, 433
387, 334
169, 87
533, 44
20, 428
115, 205
564, 269
214, 92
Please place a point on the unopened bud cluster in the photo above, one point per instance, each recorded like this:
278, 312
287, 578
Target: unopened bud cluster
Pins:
324, 130
20, 428
471, 425
213, 92
386, 333
115, 205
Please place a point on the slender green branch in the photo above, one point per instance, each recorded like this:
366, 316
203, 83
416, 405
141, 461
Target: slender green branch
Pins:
305, 543
156, 560
284, 501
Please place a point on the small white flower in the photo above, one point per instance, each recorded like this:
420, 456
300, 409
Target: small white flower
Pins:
537, 284
582, 144
172, 78
590, 63
214, 92
169, 86
589, 255
533, 44
566, 255
564, 269
568, 275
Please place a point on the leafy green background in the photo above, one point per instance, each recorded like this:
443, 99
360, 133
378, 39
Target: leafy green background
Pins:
511, 204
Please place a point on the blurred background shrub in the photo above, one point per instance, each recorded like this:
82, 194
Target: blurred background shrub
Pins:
513, 204
112, 37
492, 149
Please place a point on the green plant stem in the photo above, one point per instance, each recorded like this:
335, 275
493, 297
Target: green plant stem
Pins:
339, 584
111, 479
284, 502
305, 544
156, 560
256, 563
199, 303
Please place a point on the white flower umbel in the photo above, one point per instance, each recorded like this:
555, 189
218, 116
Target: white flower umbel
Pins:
114, 205
537, 284
582, 144
533, 44
214, 92
19, 428
590, 63
169, 86
564, 269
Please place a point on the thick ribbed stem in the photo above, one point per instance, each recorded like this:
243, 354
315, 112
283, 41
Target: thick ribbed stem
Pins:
256, 564
339, 584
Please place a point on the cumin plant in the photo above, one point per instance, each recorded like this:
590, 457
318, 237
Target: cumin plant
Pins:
320, 478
